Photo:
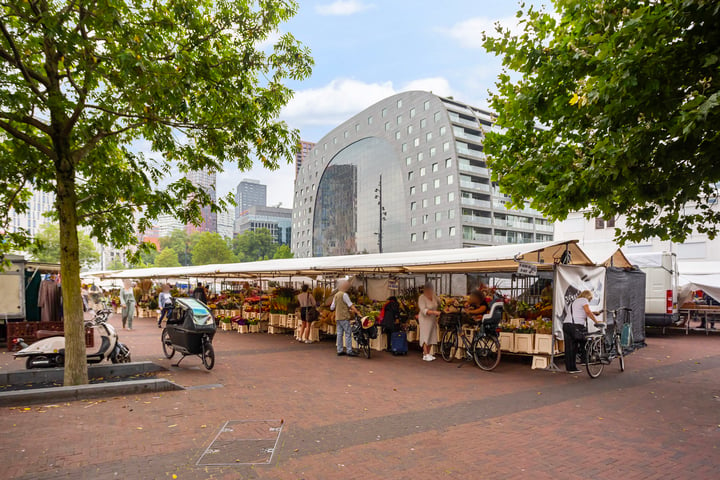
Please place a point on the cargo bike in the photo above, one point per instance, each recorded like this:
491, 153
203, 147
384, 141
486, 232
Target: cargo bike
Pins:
189, 331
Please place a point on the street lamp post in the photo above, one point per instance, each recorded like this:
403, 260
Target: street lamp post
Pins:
382, 214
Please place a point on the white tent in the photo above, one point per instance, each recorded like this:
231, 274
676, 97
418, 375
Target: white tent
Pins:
703, 276
606, 254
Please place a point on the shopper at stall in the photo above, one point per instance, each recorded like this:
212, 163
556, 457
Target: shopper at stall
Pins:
575, 328
199, 293
477, 305
344, 308
165, 303
428, 320
127, 300
307, 313
391, 319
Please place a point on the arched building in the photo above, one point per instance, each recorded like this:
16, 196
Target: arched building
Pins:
436, 191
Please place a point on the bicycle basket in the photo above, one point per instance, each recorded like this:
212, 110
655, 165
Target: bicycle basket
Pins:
372, 332
448, 320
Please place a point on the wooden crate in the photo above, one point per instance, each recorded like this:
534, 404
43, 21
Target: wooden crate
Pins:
412, 336
507, 341
543, 343
524, 343
226, 326
379, 343
243, 329
540, 361
254, 328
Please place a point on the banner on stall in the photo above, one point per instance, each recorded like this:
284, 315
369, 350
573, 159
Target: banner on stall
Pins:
570, 281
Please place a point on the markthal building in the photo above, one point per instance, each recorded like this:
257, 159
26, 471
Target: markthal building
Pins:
408, 173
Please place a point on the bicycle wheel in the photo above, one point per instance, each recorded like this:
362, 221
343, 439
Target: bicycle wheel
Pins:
167, 346
448, 345
486, 352
619, 349
593, 358
208, 355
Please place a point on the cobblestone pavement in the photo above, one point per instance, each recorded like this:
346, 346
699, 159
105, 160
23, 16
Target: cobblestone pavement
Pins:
385, 418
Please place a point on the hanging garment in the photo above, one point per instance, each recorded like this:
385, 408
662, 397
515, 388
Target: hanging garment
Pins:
49, 301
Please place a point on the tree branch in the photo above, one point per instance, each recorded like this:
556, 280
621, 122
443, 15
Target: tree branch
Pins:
108, 210
28, 120
16, 60
80, 153
28, 139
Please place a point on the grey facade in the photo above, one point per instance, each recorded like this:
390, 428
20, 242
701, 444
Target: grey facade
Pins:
436, 185
277, 220
249, 193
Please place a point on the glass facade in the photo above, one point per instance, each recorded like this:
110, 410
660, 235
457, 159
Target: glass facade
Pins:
346, 215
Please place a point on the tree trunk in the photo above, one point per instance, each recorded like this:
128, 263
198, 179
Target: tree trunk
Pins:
75, 362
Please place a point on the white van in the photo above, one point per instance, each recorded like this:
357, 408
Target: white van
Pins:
661, 287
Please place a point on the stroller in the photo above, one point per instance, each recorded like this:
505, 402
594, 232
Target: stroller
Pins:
364, 330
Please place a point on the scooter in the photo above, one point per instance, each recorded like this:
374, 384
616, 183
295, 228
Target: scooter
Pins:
50, 351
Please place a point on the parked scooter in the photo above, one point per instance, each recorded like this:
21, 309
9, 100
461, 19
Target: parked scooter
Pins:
50, 352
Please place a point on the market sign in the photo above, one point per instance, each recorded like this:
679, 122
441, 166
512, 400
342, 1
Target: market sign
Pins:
527, 269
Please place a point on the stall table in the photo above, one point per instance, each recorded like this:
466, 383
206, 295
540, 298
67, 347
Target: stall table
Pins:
700, 310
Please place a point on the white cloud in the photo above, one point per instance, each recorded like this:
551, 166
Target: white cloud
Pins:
342, 98
469, 32
343, 7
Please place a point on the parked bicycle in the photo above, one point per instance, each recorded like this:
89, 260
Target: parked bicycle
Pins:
483, 347
601, 349
364, 330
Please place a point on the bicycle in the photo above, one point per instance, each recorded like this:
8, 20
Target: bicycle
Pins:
601, 350
484, 346
363, 335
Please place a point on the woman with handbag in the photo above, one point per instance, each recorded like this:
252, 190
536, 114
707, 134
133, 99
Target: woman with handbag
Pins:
308, 313
575, 328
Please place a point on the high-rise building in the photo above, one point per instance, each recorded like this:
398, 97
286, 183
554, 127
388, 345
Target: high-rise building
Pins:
166, 224
225, 224
40, 203
436, 187
206, 181
250, 193
302, 152
277, 220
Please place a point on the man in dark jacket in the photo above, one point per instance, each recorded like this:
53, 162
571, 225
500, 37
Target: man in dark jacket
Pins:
391, 320
199, 293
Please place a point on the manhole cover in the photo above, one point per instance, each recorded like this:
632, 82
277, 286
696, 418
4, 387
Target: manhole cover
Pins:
243, 442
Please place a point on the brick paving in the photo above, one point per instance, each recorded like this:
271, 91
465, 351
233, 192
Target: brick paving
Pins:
387, 417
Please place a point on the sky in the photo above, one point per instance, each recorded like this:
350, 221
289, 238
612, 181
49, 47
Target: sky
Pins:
366, 50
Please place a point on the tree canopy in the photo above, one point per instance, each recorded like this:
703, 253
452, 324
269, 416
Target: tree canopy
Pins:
167, 258
283, 251
616, 111
180, 242
256, 245
195, 80
46, 246
211, 248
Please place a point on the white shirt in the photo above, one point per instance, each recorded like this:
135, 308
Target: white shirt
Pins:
577, 310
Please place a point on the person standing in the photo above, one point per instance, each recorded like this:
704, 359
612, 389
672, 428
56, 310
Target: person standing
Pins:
307, 307
200, 294
575, 328
428, 304
391, 319
344, 308
127, 300
165, 303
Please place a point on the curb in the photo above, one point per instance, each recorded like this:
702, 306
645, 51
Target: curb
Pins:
81, 392
55, 375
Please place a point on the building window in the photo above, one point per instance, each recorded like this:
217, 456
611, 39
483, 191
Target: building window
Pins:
410, 129
452, 231
413, 221
411, 175
413, 237
426, 105
450, 179
357, 127
345, 134
437, 116
399, 119
428, 136
425, 235
413, 206
433, 151
451, 214
599, 224
412, 113
420, 157
423, 188
438, 216
384, 112
437, 200
438, 232
610, 222
408, 160
397, 135
426, 219
399, 103
436, 183
423, 123
448, 162
442, 131
446, 146
324, 146
434, 167
425, 203
404, 147
387, 126
422, 172
370, 120
416, 142
451, 197
412, 190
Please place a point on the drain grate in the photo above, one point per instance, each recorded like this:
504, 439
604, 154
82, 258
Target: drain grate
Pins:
243, 442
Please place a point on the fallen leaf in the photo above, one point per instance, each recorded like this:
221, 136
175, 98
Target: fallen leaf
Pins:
203, 426
171, 426
139, 428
